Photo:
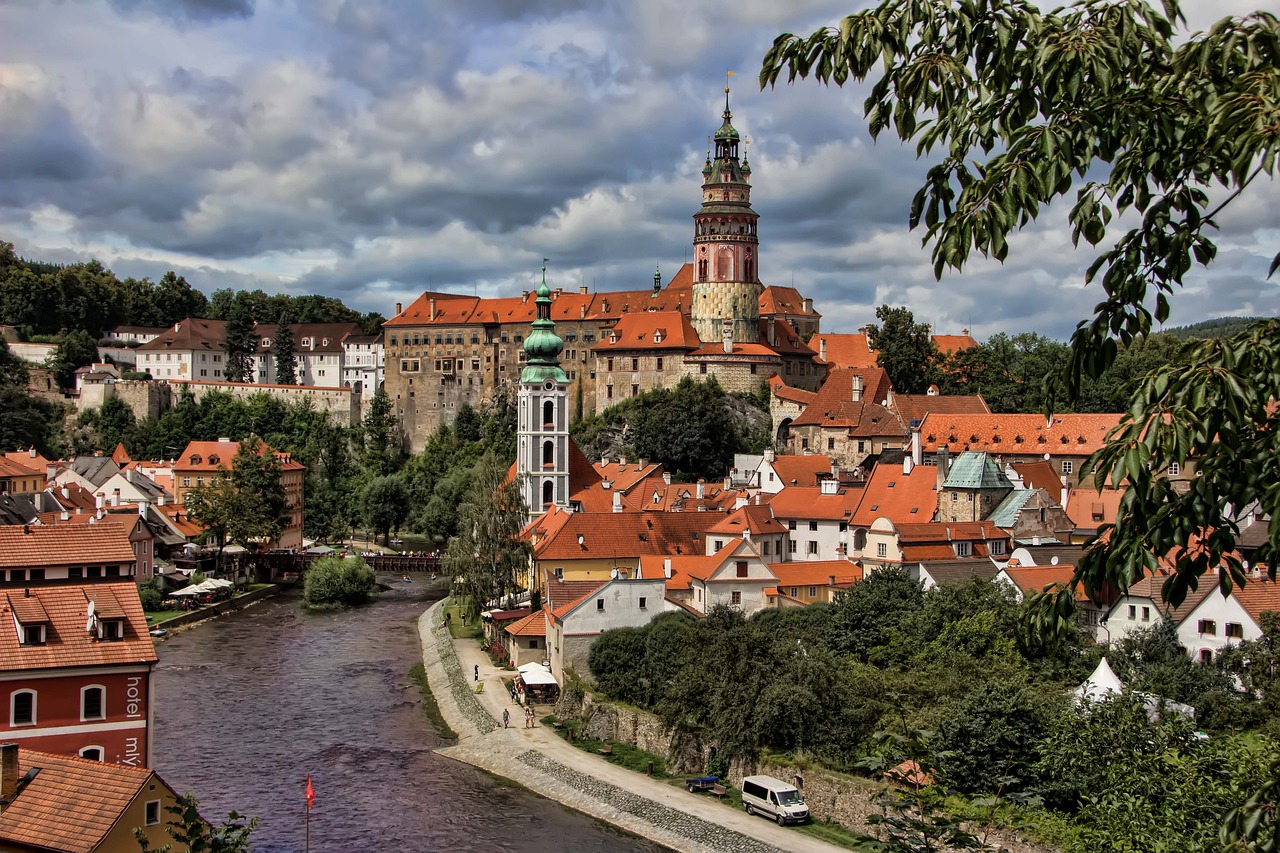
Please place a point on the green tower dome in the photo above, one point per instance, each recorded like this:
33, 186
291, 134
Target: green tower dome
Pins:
543, 346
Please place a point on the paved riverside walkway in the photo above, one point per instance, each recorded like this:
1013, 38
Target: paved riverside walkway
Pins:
539, 759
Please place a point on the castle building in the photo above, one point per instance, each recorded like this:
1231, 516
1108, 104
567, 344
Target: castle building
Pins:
714, 317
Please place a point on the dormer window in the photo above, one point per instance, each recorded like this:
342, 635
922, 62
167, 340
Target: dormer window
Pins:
111, 629
213, 459
195, 459
306, 342
32, 635
265, 343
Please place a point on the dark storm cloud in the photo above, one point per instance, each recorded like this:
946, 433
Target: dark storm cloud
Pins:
196, 11
39, 142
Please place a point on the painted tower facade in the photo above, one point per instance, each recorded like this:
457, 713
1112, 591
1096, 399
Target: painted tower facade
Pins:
542, 455
726, 273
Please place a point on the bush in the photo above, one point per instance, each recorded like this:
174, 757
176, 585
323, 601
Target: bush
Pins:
135, 375
149, 593
338, 581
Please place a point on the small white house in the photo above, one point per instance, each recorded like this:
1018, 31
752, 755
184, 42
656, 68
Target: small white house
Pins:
572, 629
1218, 621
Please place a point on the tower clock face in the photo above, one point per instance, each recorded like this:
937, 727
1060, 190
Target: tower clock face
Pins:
549, 385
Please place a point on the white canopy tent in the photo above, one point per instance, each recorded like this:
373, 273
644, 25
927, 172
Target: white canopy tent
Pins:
533, 666
538, 677
1101, 684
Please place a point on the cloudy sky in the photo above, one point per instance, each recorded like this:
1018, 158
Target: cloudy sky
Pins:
372, 149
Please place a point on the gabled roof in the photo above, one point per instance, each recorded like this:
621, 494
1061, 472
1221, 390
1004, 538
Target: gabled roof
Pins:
66, 641
954, 572
624, 476
324, 337
845, 350
817, 573
783, 391
801, 470
533, 625
560, 593
1260, 595
14, 468
626, 535
1038, 475
914, 407
1089, 509
784, 300
28, 458
1033, 579
756, 519
1006, 515
834, 406
1069, 434
952, 343
72, 803
210, 456
808, 502
899, 497
191, 334
559, 612
40, 545
95, 469
1150, 587
650, 331
975, 470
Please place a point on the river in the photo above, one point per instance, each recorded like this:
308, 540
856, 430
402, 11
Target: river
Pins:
248, 705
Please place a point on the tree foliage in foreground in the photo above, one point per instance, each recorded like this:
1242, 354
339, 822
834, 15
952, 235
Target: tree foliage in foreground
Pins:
487, 555
344, 582
1015, 106
191, 832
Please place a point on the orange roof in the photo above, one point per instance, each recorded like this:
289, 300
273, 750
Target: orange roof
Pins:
72, 803
1089, 509
899, 497
1033, 579
914, 407
952, 343
659, 330
685, 568
1150, 587
13, 468
752, 518
835, 407
120, 456
784, 300
801, 470
67, 643
1258, 596
624, 476
783, 391
618, 535
1071, 434
533, 625
933, 541
212, 455
560, 593
657, 496
1039, 475
28, 459
816, 573
40, 545
845, 350
560, 611
796, 502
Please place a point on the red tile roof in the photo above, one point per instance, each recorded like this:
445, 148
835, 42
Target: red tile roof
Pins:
560, 593
1033, 579
72, 803
624, 477
211, 455
1039, 475
1089, 509
784, 300
188, 335
801, 470
816, 573
1258, 596
1150, 587
899, 497
29, 459
783, 391
659, 330
533, 625
12, 467
67, 642
560, 611
619, 535
1070, 435
914, 407
808, 502
835, 407
752, 518
40, 545
953, 343
845, 350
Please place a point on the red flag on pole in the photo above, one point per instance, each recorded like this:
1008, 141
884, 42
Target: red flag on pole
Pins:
311, 795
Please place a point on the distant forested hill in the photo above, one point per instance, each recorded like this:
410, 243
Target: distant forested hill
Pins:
1219, 327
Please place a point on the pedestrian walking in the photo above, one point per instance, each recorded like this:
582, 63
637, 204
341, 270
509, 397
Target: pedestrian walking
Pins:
477, 672
506, 718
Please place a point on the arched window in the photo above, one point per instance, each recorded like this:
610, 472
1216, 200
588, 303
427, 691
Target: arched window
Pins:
22, 708
93, 702
548, 493
548, 413
548, 454
93, 753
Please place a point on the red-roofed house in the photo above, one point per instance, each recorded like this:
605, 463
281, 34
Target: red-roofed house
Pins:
777, 472
902, 495
818, 519
60, 804
75, 671
916, 547
590, 546
735, 576
848, 420
203, 462
754, 523
572, 628
527, 639
1217, 621
19, 478
816, 581
67, 552
1089, 509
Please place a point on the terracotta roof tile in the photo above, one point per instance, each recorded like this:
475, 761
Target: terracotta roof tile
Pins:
834, 406
560, 593
1150, 587
533, 625
816, 573
1069, 434
899, 497
1258, 596
624, 477
801, 470
1039, 475
783, 391
41, 545
845, 350
618, 535
784, 300
206, 456
954, 343
66, 641
190, 334
914, 407
71, 804
658, 330
756, 519
1033, 579
808, 502
11, 467
1089, 509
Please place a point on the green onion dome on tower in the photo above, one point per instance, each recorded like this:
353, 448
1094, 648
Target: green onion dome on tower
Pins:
543, 346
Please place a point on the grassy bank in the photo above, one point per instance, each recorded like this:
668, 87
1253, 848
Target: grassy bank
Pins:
429, 705
453, 615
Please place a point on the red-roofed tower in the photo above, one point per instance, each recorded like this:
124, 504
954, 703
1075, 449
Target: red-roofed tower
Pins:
726, 274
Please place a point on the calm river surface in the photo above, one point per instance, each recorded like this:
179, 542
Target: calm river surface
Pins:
249, 704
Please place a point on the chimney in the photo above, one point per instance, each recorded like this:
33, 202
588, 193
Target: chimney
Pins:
160, 499
666, 477
177, 327
702, 488
604, 460
907, 464
808, 305
142, 508
770, 456
857, 388
583, 289
64, 515
917, 448
964, 332
115, 497
8, 774
582, 309
666, 567
944, 465
644, 462
98, 501
432, 303
617, 502
822, 347
1065, 491
31, 451
828, 486
399, 309
130, 474
622, 461
738, 503
66, 493
728, 336
757, 499
728, 483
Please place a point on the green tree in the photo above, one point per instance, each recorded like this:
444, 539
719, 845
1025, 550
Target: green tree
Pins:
386, 505
1012, 373
113, 423
214, 506
380, 440
245, 504
989, 740
688, 428
13, 370
1171, 128
191, 832
286, 361
864, 617
344, 582
488, 554
75, 350
905, 349
239, 345
173, 299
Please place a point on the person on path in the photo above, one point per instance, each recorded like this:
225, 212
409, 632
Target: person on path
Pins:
477, 672
506, 718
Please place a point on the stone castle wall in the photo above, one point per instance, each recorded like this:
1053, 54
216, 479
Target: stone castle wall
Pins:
149, 399
713, 302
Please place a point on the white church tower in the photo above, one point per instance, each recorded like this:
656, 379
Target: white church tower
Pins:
542, 455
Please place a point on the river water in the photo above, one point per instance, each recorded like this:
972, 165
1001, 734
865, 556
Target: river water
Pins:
248, 705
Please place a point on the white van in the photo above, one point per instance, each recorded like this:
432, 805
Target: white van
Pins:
774, 798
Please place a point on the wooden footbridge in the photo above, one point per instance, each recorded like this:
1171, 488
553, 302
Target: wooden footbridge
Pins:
274, 568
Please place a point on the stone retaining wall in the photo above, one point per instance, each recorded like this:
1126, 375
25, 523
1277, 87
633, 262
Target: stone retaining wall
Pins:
212, 610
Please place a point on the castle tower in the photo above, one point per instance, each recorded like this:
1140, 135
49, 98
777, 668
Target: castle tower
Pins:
726, 275
542, 450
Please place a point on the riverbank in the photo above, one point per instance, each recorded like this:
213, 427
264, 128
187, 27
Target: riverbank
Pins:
211, 611
541, 761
